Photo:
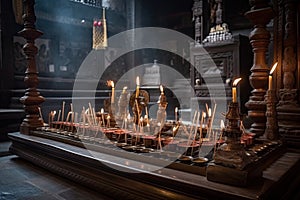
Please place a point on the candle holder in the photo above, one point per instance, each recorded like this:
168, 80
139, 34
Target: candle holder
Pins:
122, 105
271, 131
138, 104
161, 112
232, 153
110, 108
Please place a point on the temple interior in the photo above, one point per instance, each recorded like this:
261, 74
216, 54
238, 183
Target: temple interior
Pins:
140, 99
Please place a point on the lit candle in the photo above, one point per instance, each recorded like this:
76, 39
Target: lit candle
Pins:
222, 125
102, 116
137, 87
124, 89
209, 112
112, 92
270, 76
161, 89
176, 114
234, 95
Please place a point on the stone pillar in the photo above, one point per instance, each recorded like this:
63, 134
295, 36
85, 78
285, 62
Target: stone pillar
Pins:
260, 15
32, 98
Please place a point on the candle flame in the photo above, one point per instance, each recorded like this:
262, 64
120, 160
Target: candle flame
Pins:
102, 111
209, 112
222, 125
236, 81
110, 83
125, 88
176, 109
204, 114
273, 68
161, 89
138, 81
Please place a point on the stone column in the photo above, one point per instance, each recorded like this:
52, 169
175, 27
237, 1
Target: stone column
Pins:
32, 98
260, 15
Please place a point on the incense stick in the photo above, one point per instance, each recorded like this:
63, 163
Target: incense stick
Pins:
212, 120
200, 135
198, 116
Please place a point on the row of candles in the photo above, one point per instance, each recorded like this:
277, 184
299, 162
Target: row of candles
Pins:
234, 91
111, 83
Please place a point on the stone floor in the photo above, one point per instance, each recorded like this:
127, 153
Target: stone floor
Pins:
21, 180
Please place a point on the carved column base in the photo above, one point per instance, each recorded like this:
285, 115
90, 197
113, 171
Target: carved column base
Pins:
271, 132
258, 115
32, 119
234, 156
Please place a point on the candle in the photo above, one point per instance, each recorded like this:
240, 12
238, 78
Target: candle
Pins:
270, 76
63, 111
102, 116
209, 112
222, 125
124, 89
161, 89
58, 116
137, 87
234, 95
176, 114
112, 92
108, 121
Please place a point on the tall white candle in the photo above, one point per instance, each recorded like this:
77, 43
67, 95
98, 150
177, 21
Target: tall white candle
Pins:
137, 91
112, 92
234, 95
176, 114
124, 89
270, 76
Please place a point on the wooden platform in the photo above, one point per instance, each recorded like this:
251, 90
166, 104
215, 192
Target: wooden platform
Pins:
130, 179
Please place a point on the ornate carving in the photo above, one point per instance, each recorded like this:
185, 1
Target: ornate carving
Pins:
288, 95
271, 131
197, 13
260, 14
232, 153
32, 98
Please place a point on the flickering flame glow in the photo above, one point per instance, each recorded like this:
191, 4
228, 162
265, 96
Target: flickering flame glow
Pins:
161, 89
102, 111
110, 83
176, 109
209, 112
273, 68
137, 81
222, 125
236, 81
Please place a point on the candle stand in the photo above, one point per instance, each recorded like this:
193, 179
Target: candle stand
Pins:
161, 112
138, 104
111, 109
271, 132
122, 105
232, 153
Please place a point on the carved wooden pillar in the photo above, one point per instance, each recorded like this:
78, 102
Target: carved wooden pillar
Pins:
260, 15
288, 107
32, 98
